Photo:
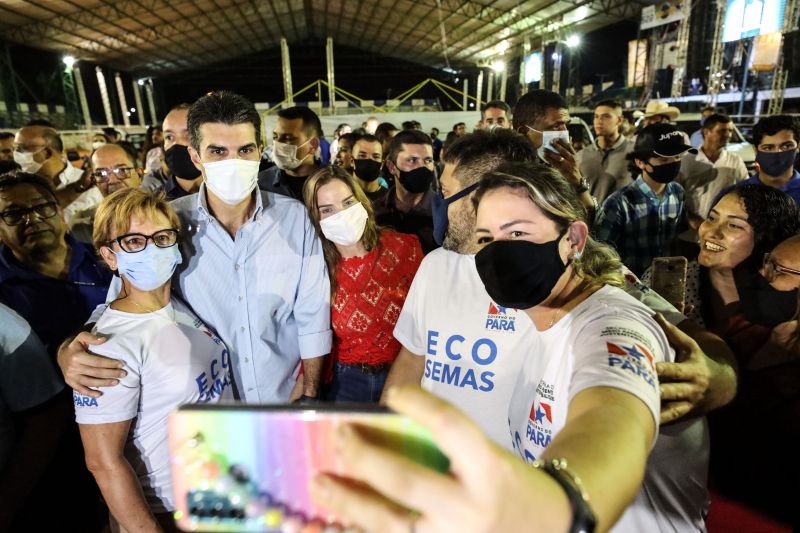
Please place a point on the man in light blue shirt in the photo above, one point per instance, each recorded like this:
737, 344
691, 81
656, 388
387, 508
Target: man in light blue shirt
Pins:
253, 267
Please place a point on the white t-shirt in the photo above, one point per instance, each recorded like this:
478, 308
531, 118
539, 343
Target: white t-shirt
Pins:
703, 180
171, 359
609, 340
473, 348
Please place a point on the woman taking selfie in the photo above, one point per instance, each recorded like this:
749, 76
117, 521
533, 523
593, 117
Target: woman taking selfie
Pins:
371, 270
169, 358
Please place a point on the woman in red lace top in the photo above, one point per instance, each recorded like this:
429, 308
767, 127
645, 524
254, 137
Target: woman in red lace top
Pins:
371, 270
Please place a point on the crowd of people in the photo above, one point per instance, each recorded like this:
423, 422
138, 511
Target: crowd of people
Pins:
503, 270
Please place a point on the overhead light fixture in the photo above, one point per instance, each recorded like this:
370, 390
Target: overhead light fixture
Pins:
554, 56
503, 46
498, 65
573, 41
133, 110
68, 60
140, 81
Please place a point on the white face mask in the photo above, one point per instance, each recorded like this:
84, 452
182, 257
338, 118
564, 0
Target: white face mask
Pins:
345, 227
547, 138
285, 155
71, 174
97, 144
231, 180
26, 161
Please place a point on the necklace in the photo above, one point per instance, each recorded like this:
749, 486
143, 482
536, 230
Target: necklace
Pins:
143, 308
555, 316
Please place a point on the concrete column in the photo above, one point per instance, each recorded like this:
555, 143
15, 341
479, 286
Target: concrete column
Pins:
123, 103
101, 82
87, 117
286, 70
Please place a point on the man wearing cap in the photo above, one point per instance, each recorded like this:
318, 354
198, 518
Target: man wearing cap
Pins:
641, 219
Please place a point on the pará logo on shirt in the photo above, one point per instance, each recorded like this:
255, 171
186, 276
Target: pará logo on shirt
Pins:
634, 359
83, 401
500, 318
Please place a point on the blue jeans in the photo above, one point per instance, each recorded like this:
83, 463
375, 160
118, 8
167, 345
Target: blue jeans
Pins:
352, 385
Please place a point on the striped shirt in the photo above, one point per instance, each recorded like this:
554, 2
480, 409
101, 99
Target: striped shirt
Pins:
640, 224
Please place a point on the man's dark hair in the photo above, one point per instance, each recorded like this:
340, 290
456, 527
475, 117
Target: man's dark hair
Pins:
406, 137
368, 138
772, 125
712, 108
496, 104
180, 107
222, 107
717, 118
408, 125
311, 124
352, 138
613, 104
534, 104
6, 135
436, 130
383, 130
18, 177
7, 166
52, 139
40, 122
416, 124
477, 153
457, 124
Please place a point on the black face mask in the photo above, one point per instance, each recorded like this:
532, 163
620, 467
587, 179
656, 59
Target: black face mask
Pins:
367, 169
763, 304
180, 163
520, 274
417, 180
665, 173
775, 164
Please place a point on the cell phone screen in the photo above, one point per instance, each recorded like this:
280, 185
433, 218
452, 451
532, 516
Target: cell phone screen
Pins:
247, 468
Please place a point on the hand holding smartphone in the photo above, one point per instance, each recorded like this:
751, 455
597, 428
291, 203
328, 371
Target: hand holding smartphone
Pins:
669, 280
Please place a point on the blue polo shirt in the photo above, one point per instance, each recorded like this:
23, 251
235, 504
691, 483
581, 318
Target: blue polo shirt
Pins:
55, 308
792, 187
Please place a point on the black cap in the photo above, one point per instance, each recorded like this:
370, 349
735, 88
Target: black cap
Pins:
663, 140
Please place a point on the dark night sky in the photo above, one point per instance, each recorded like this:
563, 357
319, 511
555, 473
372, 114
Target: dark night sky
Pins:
259, 77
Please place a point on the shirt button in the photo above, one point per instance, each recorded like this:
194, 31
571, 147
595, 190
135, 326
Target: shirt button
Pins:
236, 266
241, 298
246, 360
242, 328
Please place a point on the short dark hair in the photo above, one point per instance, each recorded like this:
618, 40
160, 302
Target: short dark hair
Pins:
40, 122
352, 138
711, 121
311, 124
6, 135
18, 177
712, 108
772, 125
53, 139
613, 104
408, 125
457, 124
496, 104
534, 104
383, 129
108, 130
406, 137
481, 152
222, 107
180, 107
435, 129
368, 138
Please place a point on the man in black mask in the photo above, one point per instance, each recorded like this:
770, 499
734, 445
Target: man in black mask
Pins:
642, 219
180, 177
367, 155
776, 139
407, 205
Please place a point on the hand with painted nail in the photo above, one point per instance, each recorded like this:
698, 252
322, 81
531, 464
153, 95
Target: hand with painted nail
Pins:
83, 370
486, 490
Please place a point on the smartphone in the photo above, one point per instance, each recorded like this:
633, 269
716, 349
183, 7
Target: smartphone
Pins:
247, 468
669, 279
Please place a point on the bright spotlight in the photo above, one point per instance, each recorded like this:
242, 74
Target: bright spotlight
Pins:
140, 82
68, 60
554, 56
498, 65
573, 41
133, 110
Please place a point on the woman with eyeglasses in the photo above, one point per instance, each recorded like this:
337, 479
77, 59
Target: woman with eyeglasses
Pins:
170, 358
729, 291
371, 270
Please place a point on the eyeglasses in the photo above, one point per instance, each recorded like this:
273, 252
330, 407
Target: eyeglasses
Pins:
102, 175
136, 242
772, 268
771, 148
15, 217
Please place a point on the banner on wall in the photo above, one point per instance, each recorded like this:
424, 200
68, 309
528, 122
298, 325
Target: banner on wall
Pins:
637, 63
662, 13
766, 51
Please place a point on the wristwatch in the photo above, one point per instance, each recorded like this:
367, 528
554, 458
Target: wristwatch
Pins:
583, 518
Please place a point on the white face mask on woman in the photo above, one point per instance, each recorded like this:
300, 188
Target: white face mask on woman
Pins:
345, 227
232, 180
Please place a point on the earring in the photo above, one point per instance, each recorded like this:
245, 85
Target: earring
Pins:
577, 256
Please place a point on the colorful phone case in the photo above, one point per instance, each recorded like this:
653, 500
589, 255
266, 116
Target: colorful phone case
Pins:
247, 468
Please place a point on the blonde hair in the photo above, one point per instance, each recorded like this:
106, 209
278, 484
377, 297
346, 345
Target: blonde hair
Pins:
114, 214
372, 233
549, 191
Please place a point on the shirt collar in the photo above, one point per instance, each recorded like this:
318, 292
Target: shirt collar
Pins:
647, 191
202, 204
11, 268
620, 142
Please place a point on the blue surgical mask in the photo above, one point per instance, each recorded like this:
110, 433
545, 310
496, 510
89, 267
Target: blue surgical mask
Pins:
149, 269
439, 206
775, 163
